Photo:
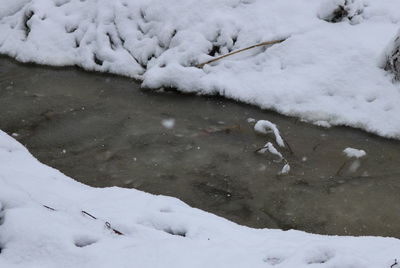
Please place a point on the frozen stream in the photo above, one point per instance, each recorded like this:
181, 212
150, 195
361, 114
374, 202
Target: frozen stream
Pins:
104, 130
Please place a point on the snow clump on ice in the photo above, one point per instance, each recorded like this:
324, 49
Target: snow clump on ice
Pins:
269, 147
391, 60
354, 153
338, 10
168, 123
285, 169
265, 127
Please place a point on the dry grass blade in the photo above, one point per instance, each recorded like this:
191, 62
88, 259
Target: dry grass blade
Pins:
200, 65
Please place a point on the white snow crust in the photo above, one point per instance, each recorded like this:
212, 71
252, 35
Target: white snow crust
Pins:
158, 231
324, 72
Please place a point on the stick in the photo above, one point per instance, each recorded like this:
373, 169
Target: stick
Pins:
200, 65
107, 224
341, 168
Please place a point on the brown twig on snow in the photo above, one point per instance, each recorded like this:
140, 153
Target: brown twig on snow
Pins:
200, 65
50, 208
107, 224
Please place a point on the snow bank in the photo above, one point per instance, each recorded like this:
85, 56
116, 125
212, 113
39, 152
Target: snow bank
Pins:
158, 231
324, 72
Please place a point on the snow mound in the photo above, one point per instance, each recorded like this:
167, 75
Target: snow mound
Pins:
42, 225
323, 72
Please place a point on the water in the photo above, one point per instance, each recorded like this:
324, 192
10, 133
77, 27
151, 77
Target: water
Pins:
104, 130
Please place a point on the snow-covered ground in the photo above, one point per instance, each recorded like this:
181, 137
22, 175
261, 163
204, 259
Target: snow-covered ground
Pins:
157, 231
326, 73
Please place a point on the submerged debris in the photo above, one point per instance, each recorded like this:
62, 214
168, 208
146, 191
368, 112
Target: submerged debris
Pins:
213, 130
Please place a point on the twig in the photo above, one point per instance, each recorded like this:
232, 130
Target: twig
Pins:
316, 146
200, 65
107, 224
259, 149
49, 208
288, 145
394, 264
341, 168
90, 215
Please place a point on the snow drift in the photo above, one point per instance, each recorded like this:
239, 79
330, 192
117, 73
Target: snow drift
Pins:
324, 71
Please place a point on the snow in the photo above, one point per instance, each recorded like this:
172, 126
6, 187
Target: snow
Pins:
324, 72
250, 120
356, 153
168, 123
285, 169
269, 147
157, 231
265, 127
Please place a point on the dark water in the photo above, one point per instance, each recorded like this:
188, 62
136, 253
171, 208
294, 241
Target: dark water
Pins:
104, 130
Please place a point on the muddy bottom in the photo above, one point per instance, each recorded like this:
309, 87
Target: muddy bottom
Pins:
104, 130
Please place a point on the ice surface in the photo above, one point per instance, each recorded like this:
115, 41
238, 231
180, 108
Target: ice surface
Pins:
324, 72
